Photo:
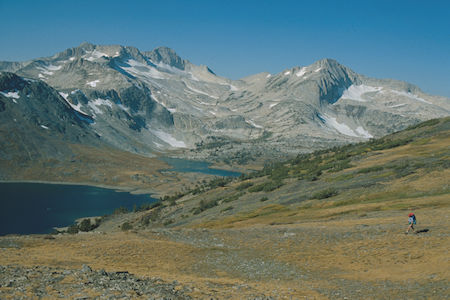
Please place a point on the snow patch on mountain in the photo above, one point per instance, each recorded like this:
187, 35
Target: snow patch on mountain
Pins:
64, 95
95, 54
301, 72
355, 92
14, 95
411, 96
169, 139
251, 122
364, 133
233, 88
344, 128
142, 70
398, 105
53, 68
200, 92
94, 104
93, 83
273, 104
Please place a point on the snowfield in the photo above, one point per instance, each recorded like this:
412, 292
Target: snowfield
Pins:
344, 128
93, 83
355, 92
169, 139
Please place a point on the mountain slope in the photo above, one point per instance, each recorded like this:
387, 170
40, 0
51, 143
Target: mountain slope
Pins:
154, 101
37, 122
405, 170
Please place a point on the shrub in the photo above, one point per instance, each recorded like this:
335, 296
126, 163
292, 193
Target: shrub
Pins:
263, 199
126, 226
168, 222
244, 185
204, 205
120, 210
327, 193
233, 197
271, 186
370, 169
85, 225
73, 229
227, 209
256, 188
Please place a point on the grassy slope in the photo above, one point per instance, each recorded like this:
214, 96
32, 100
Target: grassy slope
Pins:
403, 171
296, 243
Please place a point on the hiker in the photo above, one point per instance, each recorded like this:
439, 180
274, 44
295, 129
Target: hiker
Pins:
411, 222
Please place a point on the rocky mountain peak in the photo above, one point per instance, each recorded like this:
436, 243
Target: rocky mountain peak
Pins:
167, 56
86, 46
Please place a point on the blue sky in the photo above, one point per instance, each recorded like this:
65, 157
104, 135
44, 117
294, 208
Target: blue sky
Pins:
405, 40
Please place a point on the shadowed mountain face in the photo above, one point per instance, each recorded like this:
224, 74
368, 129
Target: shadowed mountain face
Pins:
37, 121
154, 101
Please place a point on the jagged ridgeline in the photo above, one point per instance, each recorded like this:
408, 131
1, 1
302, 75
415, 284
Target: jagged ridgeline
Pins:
153, 101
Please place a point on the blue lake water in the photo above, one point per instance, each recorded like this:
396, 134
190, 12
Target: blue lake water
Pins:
27, 208
183, 165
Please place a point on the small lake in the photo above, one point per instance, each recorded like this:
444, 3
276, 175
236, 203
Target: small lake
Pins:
184, 165
27, 208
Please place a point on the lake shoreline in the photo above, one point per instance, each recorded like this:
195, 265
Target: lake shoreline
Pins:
131, 190
38, 207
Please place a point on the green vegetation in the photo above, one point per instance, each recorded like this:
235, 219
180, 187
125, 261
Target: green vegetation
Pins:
327, 193
126, 226
424, 124
233, 197
73, 229
152, 216
85, 225
204, 205
266, 186
370, 170
346, 175
227, 208
244, 185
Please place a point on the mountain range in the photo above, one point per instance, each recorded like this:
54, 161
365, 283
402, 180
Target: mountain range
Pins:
151, 102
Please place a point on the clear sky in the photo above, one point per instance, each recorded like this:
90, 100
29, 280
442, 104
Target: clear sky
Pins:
403, 39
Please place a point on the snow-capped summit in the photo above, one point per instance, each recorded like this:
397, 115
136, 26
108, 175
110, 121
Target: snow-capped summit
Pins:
145, 101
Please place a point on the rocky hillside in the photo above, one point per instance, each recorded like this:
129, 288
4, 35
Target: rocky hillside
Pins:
325, 225
153, 101
411, 166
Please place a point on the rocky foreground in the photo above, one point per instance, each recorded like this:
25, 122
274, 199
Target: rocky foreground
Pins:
45, 282
346, 257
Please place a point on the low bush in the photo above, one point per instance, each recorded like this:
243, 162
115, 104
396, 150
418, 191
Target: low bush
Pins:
73, 229
227, 209
244, 185
233, 197
204, 205
370, 169
327, 193
126, 226
85, 225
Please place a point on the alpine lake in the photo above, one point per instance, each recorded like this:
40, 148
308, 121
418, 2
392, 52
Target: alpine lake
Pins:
37, 208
